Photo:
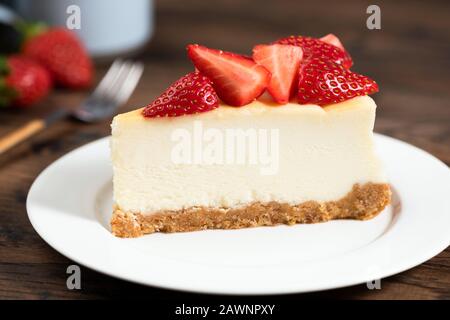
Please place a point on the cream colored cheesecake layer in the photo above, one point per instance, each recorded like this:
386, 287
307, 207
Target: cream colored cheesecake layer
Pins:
322, 153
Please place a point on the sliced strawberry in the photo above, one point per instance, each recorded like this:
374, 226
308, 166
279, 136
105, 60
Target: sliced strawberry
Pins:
333, 40
190, 94
315, 48
237, 79
325, 82
283, 61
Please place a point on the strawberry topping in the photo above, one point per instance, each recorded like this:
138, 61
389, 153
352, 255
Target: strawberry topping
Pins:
325, 82
283, 62
333, 40
237, 79
315, 48
190, 94
315, 70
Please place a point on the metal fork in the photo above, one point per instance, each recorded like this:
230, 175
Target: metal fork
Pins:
113, 90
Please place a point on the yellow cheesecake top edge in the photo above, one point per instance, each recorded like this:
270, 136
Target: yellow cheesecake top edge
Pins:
262, 105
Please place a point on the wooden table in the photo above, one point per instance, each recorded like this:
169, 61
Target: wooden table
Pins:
409, 57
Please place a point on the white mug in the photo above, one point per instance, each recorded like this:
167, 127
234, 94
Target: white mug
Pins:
107, 27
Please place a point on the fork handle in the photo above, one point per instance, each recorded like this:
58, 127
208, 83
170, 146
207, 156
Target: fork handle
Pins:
21, 134
29, 129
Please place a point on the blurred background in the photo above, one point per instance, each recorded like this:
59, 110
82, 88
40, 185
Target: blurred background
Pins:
409, 57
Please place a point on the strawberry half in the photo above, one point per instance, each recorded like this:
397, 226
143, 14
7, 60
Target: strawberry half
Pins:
283, 62
325, 82
315, 48
190, 94
333, 40
237, 79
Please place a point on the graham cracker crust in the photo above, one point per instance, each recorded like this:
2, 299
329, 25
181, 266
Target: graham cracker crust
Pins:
362, 202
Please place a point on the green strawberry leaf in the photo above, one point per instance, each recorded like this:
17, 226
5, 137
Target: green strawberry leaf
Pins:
30, 29
4, 68
7, 94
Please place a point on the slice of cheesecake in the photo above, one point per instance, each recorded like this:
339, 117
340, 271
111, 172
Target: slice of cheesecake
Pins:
214, 152
314, 164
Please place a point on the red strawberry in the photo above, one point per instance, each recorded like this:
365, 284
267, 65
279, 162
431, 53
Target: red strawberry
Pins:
325, 82
238, 80
62, 53
22, 81
315, 48
283, 61
190, 94
332, 39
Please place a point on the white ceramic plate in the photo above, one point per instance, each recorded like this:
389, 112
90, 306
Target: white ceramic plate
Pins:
70, 204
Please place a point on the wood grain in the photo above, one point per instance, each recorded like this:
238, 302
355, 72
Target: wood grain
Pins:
409, 58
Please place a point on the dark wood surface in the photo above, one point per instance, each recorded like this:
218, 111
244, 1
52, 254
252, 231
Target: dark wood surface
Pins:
409, 57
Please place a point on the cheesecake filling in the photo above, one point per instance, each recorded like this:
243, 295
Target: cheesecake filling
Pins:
290, 154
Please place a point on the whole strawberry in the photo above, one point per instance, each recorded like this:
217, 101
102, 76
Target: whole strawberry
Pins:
22, 81
61, 52
190, 94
